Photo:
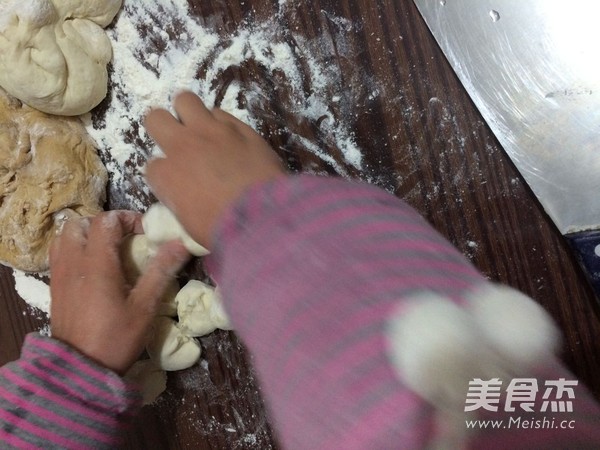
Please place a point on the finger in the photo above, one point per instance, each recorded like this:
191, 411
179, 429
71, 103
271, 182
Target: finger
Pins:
158, 173
66, 254
72, 237
163, 128
161, 270
107, 231
224, 116
236, 124
192, 111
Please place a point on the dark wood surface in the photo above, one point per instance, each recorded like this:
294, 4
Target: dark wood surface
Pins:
423, 139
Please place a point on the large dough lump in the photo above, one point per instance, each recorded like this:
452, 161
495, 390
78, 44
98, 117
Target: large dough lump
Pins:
49, 170
54, 53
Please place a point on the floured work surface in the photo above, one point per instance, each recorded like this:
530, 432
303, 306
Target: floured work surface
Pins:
348, 88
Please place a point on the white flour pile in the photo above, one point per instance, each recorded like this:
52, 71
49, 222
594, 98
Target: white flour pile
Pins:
33, 290
153, 60
158, 49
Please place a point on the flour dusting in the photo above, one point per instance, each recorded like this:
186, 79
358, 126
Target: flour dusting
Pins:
153, 59
33, 290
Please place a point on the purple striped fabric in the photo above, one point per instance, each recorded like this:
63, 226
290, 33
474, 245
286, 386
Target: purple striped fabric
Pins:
310, 269
54, 397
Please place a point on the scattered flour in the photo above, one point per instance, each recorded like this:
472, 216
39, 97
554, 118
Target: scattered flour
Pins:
33, 290
153, 59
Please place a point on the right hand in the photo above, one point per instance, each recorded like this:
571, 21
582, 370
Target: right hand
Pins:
211, 158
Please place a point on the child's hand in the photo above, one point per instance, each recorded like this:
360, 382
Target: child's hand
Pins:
93, 309
211, 158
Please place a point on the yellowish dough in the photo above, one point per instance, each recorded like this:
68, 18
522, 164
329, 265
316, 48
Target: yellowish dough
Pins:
49, 170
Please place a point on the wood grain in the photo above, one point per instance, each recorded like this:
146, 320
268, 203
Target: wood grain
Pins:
422, 139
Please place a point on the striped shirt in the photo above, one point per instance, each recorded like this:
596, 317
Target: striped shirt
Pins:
310, 270
55, 398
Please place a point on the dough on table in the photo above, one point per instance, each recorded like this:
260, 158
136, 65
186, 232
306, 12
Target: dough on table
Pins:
54, 53
200, 309
49, 170
169, 347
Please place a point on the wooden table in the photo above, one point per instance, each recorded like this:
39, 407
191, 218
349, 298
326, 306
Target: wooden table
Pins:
422, 139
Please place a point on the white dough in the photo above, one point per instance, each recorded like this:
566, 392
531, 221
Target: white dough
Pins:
136, 252
54, 53
200, 309
160, 226
169, 347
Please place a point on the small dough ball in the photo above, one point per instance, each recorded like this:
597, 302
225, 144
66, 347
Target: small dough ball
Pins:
200, 309
54, 53
161, 225
151, 379
169, 347
49, 170
136, 252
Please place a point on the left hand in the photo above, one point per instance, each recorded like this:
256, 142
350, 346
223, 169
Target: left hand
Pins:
93, 309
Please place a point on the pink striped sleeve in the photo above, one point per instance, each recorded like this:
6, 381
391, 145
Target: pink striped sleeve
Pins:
54, 397
310, 269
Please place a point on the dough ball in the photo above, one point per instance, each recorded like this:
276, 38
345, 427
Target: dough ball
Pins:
136, 252
151, 379
169, 347
200, 309
49, 170
160, 226
54, 53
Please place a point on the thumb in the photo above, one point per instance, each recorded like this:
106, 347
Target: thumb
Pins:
160, 271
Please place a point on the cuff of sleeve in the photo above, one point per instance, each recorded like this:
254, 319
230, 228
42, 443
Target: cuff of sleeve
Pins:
81, 378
